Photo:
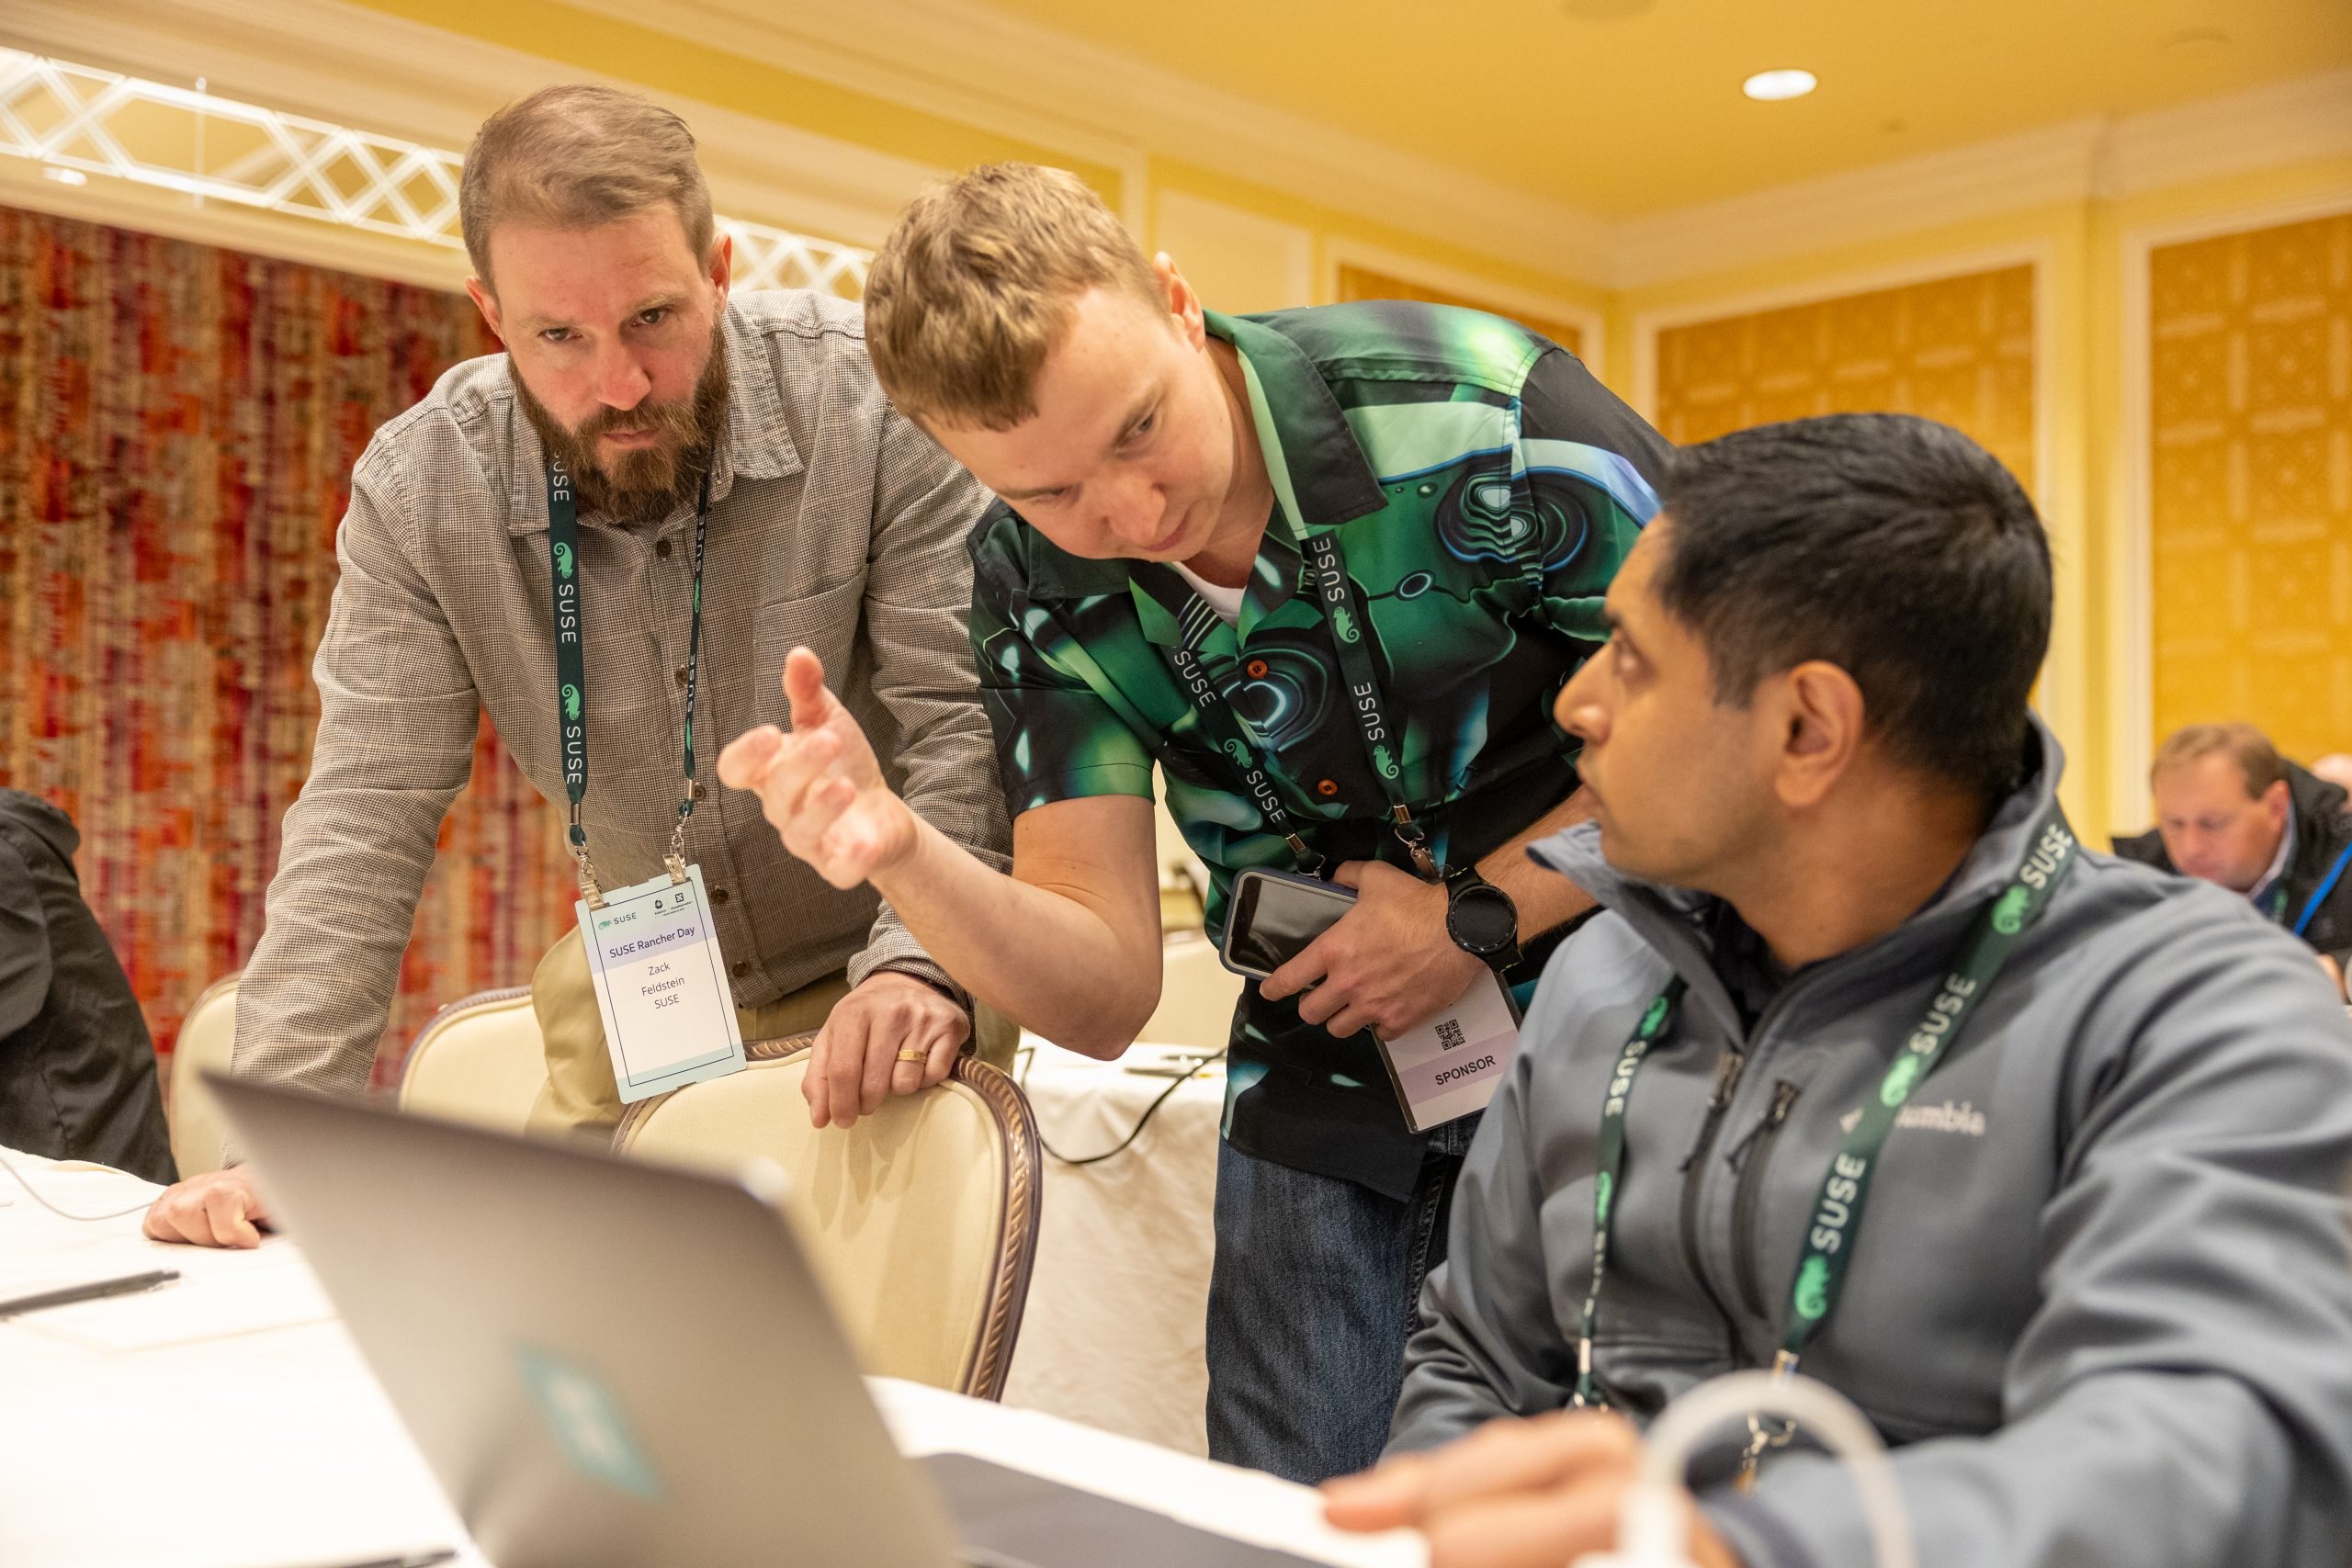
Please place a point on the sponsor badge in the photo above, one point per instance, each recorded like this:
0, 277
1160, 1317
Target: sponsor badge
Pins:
1451, 1066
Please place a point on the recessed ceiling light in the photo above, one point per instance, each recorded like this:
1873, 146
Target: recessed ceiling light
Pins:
67, 176
1772, 86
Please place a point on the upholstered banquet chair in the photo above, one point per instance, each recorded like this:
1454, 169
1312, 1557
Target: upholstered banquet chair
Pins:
207, 1034
921, 1219
480, 1060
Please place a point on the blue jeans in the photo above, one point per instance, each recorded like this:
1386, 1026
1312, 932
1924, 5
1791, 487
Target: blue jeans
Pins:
1316, 1288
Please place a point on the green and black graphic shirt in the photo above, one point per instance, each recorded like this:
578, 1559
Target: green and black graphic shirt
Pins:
1486, 487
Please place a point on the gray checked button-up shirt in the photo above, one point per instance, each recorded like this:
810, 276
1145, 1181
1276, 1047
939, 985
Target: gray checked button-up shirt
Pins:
833, 523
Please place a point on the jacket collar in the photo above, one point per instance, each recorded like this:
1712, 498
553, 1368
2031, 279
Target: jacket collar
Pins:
1677, 921
755, 444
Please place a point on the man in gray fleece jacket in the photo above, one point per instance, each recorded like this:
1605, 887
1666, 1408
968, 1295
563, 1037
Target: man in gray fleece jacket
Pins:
2100, 1300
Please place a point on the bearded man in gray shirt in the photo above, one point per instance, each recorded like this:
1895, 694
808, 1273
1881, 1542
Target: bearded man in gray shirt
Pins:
731, 463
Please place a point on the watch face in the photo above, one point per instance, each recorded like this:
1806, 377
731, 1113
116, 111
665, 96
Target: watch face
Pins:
1482, 919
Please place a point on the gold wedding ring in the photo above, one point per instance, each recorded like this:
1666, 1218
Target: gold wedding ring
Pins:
911, 1055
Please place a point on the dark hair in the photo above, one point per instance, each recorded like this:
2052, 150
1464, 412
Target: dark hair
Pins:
1890, 546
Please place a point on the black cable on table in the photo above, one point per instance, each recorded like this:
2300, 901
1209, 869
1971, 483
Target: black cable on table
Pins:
1141, 1122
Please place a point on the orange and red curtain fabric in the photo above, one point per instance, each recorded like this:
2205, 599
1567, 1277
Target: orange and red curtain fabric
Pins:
178, 427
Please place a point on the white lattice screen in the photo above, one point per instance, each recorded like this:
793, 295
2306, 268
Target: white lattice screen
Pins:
79, 121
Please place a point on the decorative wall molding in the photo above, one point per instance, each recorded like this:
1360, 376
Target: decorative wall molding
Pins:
871, 47
1102, 98
2285, 122
2059, 163
2081, 160
998, 72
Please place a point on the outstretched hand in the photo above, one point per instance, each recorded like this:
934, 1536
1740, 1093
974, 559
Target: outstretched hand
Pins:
1514, 1494
820, 786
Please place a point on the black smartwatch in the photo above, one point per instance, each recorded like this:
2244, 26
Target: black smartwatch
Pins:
1481, 919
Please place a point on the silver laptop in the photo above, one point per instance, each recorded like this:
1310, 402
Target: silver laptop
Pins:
610, 1362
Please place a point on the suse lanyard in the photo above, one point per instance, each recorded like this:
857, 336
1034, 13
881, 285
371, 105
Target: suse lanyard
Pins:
572, 671
1343, 613
1829, 1240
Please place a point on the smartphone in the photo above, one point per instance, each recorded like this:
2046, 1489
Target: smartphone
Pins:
1275, 914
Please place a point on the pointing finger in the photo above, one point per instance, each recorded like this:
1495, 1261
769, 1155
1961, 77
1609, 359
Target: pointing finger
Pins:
804, 684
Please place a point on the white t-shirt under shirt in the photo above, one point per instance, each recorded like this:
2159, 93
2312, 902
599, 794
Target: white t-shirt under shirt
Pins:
1226, 602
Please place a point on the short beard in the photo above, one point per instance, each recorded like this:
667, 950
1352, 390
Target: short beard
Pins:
647, 483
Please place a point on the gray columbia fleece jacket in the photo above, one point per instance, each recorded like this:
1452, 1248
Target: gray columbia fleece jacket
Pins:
2101, 1303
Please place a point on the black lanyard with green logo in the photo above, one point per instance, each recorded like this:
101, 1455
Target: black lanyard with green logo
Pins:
1226, 735
1344, 615
1830, 1237
572, 670
1343, 612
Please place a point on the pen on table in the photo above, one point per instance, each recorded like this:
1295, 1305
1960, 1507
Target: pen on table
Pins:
94, 1290
426, 1558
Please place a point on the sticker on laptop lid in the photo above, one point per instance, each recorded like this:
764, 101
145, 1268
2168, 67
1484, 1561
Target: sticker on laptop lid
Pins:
586, 1422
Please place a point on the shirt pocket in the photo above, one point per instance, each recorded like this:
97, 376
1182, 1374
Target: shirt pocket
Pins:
826, 623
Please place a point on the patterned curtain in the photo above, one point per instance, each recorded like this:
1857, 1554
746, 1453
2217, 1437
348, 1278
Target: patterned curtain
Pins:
177, 426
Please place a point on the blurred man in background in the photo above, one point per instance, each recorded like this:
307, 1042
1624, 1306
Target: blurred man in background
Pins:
2230, 810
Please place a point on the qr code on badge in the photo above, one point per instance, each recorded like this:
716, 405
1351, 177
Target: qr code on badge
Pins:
1449, 1033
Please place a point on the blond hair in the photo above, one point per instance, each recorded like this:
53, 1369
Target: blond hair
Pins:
975, 287
2248, 747
577, 157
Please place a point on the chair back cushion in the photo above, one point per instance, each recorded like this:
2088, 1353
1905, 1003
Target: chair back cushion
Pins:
479, 1060
921, 1219
208, 1037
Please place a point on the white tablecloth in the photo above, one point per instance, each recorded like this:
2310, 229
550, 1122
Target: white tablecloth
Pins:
1113, 1336
227, 1421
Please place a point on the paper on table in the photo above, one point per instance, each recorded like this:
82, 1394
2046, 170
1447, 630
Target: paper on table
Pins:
226, 1295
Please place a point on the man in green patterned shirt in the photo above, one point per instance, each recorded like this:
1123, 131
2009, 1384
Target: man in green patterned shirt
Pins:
1172, 485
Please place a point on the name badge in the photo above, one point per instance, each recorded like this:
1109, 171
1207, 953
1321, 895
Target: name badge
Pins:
661, 987
1452, 1066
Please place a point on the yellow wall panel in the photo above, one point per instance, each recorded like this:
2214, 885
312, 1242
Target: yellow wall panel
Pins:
1956, 349
2250, 483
